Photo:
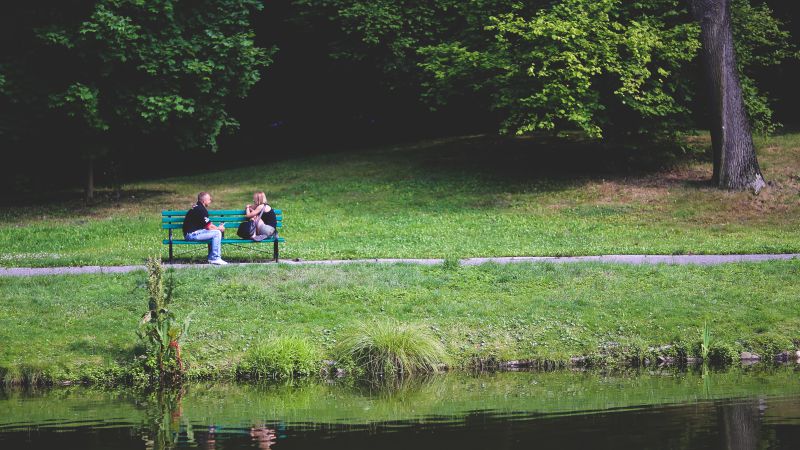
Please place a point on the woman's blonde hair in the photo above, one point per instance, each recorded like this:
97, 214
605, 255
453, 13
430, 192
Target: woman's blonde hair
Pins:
260, 198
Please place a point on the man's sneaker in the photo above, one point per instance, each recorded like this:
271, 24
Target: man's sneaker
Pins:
217, 262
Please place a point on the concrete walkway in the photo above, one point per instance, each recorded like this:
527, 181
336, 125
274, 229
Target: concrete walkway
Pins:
620, 259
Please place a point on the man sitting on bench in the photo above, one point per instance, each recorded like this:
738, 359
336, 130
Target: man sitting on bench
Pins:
198, 227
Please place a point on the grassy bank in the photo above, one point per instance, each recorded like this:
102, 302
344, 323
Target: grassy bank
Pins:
461, 197
83, 326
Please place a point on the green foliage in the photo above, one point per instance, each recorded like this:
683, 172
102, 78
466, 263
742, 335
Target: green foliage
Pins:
722, 354
281, 358
27, 374
768, 345
582, 63
611, 68
714, 351
159, 331
389, 350
80, 101
384, 31
705, 346
761, 42
140, 66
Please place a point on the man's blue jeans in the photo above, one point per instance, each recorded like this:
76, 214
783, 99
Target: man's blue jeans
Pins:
215, 236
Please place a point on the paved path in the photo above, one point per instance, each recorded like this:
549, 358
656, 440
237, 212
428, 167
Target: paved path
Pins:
622, 259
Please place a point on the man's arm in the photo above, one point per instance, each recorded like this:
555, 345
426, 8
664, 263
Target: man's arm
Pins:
211, 226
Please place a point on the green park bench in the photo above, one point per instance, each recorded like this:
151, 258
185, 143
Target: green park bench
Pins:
173, 220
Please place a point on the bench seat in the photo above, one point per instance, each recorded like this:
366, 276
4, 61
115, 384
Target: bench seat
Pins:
173, 220
223, 241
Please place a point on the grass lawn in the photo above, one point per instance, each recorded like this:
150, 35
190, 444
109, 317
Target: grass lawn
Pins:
73, 324
460, 197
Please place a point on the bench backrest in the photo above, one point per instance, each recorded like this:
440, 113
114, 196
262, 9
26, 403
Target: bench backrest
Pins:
173, 220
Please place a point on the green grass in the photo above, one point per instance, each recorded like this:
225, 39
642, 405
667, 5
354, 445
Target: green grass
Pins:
450, 198
280, 358
390, 350
70, 327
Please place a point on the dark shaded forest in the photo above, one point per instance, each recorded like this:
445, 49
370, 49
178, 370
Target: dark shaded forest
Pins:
305, 102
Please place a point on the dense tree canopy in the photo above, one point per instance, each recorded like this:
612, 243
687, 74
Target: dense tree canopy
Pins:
116, 79
609, 67
102, 73
578, 63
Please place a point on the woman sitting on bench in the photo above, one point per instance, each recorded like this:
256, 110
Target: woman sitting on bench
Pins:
264, 215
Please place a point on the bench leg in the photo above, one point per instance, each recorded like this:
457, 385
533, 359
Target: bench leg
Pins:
275, 249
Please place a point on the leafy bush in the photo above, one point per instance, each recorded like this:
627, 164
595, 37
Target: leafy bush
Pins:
720, 354
280, 358
390, 350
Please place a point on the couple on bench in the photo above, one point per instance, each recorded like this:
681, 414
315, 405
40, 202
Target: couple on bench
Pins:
198, 227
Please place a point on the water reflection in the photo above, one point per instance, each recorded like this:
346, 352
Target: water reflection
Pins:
166, 426
741, 423
726, 410
164, 422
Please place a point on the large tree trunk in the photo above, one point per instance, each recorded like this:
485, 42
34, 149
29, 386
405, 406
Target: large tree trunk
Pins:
735, 164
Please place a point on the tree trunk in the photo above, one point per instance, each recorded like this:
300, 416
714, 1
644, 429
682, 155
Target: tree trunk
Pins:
89, 191
735, 164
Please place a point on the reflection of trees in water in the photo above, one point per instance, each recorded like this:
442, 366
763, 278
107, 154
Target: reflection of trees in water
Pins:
724, 424
740, 424
739, 421
398, 388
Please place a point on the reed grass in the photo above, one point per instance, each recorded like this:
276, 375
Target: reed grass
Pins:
390, 350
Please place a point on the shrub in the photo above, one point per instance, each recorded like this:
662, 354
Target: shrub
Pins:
768, 345
158, 329
390, 350
280, 358
720, 354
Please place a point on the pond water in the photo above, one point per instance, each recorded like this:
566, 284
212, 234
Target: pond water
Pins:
737, 409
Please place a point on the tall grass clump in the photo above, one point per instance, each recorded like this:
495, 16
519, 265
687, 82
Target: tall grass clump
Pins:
715, 352
390, 350
26, 375
705, 346
281, 358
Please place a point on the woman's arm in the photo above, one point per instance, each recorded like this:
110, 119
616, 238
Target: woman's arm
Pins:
250, 212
